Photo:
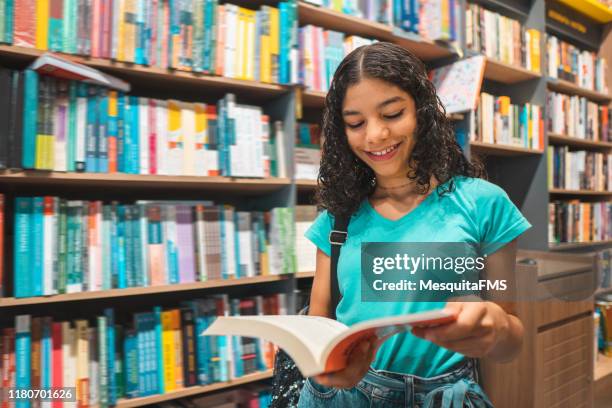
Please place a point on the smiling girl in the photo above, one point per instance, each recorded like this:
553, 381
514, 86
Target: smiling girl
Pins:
390, 160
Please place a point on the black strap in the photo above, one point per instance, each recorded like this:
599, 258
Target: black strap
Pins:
337, 237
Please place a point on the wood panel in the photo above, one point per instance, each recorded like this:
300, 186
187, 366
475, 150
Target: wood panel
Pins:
565, 375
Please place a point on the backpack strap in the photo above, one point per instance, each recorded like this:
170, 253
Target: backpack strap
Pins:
337, 237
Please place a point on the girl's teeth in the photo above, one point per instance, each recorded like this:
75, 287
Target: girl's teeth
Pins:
387, 150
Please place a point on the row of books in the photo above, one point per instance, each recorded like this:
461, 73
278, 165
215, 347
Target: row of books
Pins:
192, 35
499, 121
69, 246
579, 170
321, 51
112, 356
575, 221
432, 19
576, 116
502, 38
63, 125
570, 63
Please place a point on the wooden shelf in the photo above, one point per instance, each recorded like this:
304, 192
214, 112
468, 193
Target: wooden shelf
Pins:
305, 275
603, 367
559, 139
559, 191
129, 181
559, 85
153, 75
590, 8
149, 290
313, 99
306, 185
332, 20
577, 245
507, 73
501, 150
191, 391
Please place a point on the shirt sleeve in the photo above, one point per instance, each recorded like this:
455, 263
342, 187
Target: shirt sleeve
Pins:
499, 220
319, 231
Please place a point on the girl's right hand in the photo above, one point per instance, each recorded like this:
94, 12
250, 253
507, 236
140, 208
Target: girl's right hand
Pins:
359, 361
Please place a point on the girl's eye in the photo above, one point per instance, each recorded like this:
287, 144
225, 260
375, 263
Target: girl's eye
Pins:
354, 126
394, 115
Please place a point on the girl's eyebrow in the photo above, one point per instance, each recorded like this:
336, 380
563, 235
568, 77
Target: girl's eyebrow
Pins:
379, 106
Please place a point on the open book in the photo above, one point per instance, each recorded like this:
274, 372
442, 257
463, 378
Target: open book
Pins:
318, 344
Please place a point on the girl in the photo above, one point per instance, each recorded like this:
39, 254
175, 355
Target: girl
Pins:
391, 161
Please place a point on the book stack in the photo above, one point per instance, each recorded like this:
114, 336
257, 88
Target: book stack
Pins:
73, 126
570, 63
502, 38
307, 152
576, 116
575, 221
501, 122
154, 352
579, 170
68, 246
193, 35
321, 51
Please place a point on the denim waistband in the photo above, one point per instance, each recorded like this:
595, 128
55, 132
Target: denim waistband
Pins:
397, 381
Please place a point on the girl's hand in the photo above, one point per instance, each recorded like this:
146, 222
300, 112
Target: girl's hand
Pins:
359, 361
478, 329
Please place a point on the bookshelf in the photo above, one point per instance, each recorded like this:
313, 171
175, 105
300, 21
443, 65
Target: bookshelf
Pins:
520, 171
506, 73
565, 140
220, 284
191, 391
483, 148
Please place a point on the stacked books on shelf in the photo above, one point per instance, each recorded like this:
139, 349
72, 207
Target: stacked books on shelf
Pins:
321, 51
307, 153
68, 246
499, 121
155, 352
192, 35
502, 38
575, 221
579, 170
72, 126
580, 67
306, 251
577, 117
431, 19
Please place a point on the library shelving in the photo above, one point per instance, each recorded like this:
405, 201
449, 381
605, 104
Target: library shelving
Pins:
8, 302
191, 391
304, 275
579, 245
559, 85
154, 76
319, 16
560, 139
585, 193
482, 148
507, 73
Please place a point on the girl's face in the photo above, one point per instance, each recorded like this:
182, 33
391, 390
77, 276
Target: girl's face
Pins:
380, 122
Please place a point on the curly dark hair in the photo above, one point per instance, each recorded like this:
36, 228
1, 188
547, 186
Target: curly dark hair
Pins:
344, 180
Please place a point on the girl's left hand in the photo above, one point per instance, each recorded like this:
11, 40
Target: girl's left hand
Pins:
479, 327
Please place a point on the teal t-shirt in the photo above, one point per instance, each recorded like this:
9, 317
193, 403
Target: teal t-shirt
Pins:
476, 211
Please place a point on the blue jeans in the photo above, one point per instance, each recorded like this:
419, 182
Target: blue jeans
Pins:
381, 389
